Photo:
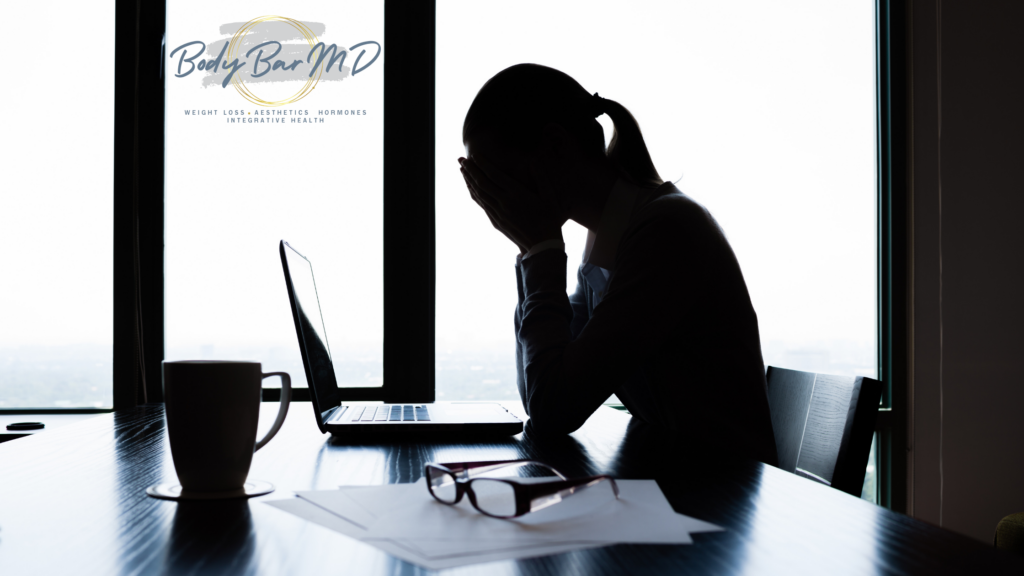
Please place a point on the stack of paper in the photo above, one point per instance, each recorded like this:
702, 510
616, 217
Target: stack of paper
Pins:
405, 521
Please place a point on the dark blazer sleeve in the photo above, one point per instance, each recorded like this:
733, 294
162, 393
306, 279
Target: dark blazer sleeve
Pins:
578, 302
580, 316
520, 374
675, 333
564, 377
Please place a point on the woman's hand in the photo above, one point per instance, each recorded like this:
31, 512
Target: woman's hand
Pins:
524, 216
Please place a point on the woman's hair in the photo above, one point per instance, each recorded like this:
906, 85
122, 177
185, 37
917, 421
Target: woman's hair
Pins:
517, 103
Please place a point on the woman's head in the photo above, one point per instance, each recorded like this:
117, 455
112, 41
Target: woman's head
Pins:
529, 111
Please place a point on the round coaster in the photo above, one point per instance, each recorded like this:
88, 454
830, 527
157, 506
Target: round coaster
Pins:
173, 491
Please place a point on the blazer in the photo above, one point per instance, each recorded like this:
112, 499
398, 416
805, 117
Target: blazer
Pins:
665, 323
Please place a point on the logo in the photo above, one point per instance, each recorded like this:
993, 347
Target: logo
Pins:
273, 60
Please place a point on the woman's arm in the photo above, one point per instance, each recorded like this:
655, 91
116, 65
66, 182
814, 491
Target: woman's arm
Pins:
578, 303
565, 376
520, 372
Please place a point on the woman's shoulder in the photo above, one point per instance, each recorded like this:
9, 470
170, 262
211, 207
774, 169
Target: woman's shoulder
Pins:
667, 206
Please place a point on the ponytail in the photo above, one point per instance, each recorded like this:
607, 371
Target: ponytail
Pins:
627, 149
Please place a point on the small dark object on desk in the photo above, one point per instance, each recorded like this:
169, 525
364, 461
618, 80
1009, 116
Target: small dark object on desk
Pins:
26, 426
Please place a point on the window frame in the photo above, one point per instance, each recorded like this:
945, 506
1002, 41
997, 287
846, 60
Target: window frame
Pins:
891, 427
138, 218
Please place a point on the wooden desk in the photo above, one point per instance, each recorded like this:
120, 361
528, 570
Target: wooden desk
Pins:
72, 502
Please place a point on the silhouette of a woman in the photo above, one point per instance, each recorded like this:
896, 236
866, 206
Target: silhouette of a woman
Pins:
661, 315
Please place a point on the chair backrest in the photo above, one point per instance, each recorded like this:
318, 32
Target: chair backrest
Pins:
824, 425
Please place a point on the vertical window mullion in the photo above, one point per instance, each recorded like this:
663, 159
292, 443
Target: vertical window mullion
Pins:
409, 30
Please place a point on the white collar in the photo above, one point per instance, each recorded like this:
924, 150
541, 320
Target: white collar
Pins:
603, 246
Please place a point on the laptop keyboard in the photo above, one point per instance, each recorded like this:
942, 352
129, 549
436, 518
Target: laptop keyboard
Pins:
385, 413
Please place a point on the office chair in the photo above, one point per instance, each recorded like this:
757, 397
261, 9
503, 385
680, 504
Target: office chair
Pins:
824, 425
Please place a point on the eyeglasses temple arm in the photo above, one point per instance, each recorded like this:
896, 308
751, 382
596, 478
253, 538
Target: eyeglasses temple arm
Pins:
542, 495
470, 469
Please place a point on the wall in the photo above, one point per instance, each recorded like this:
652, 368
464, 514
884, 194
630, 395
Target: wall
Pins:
967, 263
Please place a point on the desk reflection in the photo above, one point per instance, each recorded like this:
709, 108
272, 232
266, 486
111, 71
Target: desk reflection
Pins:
210, 537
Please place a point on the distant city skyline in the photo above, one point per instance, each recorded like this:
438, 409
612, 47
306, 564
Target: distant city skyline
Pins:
81, 375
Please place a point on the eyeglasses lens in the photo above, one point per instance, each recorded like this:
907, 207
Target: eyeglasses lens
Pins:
494, 497
442, 485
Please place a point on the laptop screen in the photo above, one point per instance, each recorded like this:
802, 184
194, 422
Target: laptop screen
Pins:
316, 353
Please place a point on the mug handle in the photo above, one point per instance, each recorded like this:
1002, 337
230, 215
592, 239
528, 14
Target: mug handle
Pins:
286, 397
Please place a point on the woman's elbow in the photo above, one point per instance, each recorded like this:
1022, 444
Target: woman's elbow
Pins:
547, 422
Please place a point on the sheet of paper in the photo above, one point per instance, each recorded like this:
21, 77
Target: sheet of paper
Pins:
341, 503
374, 501
450, 549
411, 553
380, 499
640, 515
406, 522
313, 513
362, 504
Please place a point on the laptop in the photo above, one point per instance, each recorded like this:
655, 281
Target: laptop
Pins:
470, 418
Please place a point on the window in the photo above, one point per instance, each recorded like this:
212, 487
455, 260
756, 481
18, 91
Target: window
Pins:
253, 160
56, 213
763, 112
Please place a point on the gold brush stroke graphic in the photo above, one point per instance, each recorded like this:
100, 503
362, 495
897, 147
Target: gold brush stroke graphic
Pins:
236, 44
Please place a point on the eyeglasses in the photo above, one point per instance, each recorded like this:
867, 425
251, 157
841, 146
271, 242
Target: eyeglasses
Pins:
502, 497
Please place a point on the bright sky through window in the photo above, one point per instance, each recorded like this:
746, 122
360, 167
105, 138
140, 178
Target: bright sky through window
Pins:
763, 112
280, 157
57, 210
